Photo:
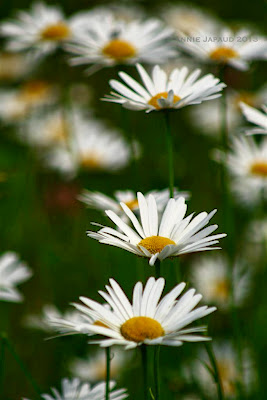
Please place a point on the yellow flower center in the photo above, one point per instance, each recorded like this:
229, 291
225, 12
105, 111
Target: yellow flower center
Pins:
137, 329
154, 100
245, 97
34, 90
91, 161
223, 54
119, 50
259, 168
56, 32
222, 289
228, 379
132, 204
154, 244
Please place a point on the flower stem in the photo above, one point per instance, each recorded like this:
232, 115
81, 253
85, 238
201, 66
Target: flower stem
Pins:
156, 372
107, 372
157, 268
170, 152
216, 375
22, 366
144, 364
2, 363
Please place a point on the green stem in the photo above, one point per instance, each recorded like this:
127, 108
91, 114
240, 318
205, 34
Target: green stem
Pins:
156, 372
22, 366
107, 372
2, 364
170, 152
144, 364
214, 365
157, 268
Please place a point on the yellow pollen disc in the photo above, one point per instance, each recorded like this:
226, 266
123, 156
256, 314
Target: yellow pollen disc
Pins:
34, 90
91, 161
223, 54
154, 100
154, 244
259, 168
222, 289
228, 380
99, 323
132, 204
247, 98
55, 32
137, 329
119, 50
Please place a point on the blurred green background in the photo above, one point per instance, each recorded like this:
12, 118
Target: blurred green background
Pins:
43, 222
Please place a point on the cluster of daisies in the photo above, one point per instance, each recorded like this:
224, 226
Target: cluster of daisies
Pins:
155, 225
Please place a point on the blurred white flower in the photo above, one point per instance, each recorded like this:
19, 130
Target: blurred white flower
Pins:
255, 117
160, 91
18, 103
229, 370
159, 236
90, 146
187, 18
41, 29
73, 389
224, 46
247, 163
14, 66
212, 278
104, 40
207, 116
93, 368
13, 272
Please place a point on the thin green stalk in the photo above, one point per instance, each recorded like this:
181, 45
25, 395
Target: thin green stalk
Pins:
156, 372
22, 366
2, 364
157, 268
170, 151
107, 372
216, 375
145, 371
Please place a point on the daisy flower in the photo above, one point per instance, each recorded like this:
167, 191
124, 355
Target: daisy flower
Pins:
160, 91
147, 320
13, 272
91, 146
158, 238
14, 66
188, 19
106, 41
210, 276
227, 362
16, 104
74, 389
207, 116
255, 117
41, 29
93, 368
99, 201
51, 320
226, 47
247, 163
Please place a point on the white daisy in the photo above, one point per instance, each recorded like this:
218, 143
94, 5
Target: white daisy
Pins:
105, 41
159, 238
147, 320
93, 368
14, 66
13, 272
227, 362
207, 116
16, 104
51, 320
75, 390
255, 117
210, 276
161, 92
247, 163
188, 18
91, 146
224, 46
41, 29
102, 202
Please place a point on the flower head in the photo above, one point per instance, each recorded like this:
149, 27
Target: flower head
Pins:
111, 41
147, 320
255, 117
159, 238
12, 273
162, 92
